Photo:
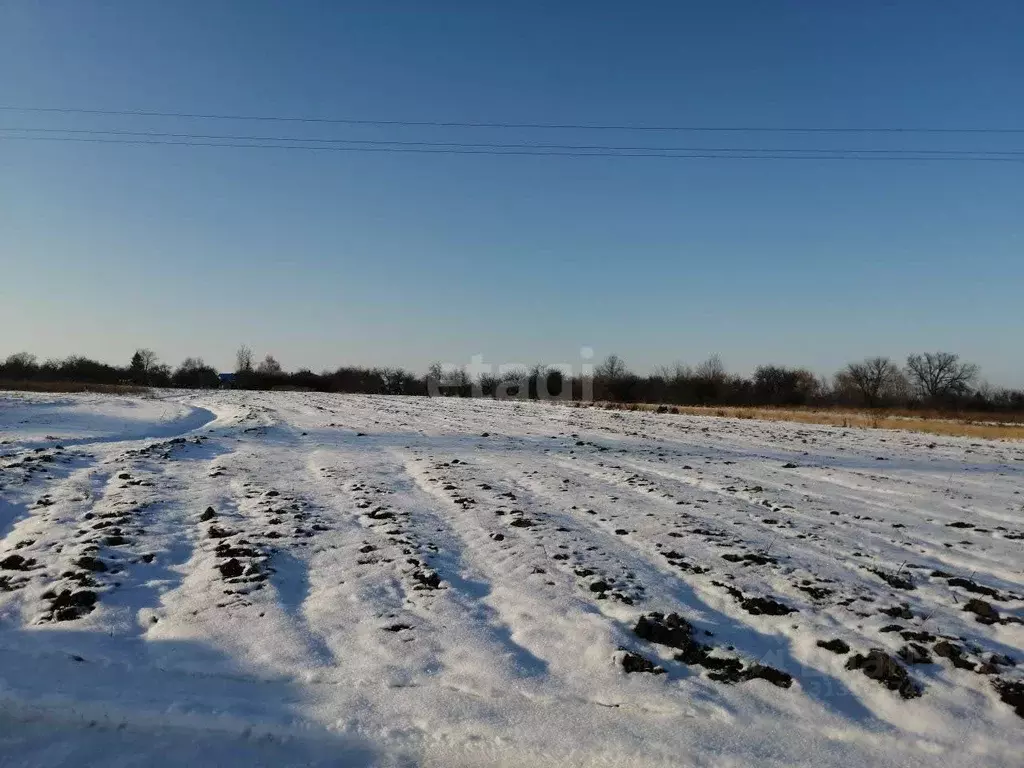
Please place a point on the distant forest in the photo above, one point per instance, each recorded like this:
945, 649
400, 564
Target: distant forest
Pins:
935, 380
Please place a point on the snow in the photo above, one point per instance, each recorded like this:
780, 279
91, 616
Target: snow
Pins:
417, 584
39, 420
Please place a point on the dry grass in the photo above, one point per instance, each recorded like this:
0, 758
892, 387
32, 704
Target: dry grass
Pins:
70, 387
980, 425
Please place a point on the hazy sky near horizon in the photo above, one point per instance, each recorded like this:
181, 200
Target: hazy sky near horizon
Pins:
324, 258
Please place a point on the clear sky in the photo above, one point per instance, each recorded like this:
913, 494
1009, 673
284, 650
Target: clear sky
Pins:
323, 258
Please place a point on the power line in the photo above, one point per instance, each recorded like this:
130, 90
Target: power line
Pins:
469, 150
525, 126
970, 153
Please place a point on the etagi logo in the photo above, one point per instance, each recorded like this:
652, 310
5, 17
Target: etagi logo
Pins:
515, 381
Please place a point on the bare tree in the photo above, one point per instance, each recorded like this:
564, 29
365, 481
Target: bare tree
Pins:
778, 385
243, 360
486, 385
20, 365
513, 382
457, 378
614, 381
435, 372
940, 375
552, 382
269, 366
672, 383
675, 372
447, 380
710, 381
194, 373
711, 370
142, 366
875, 379
611, 369
22, 359
396, 381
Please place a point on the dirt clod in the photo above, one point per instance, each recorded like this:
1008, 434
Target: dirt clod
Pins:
16, 563
768, 606
880, 666
230, 569
836, 646
984, 612
634, 662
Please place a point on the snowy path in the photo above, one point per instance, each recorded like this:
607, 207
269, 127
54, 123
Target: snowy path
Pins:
291, 578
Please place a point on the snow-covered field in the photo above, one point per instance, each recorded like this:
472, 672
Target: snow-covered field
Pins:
292, 579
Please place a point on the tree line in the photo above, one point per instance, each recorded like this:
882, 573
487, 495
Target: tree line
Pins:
931, 379
939, 380
144, 368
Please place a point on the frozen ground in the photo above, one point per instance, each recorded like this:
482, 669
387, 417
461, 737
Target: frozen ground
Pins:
293, 579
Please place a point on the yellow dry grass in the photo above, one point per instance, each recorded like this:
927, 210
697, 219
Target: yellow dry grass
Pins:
979, 425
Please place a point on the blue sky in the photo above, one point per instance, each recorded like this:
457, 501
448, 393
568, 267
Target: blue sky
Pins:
323, 258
